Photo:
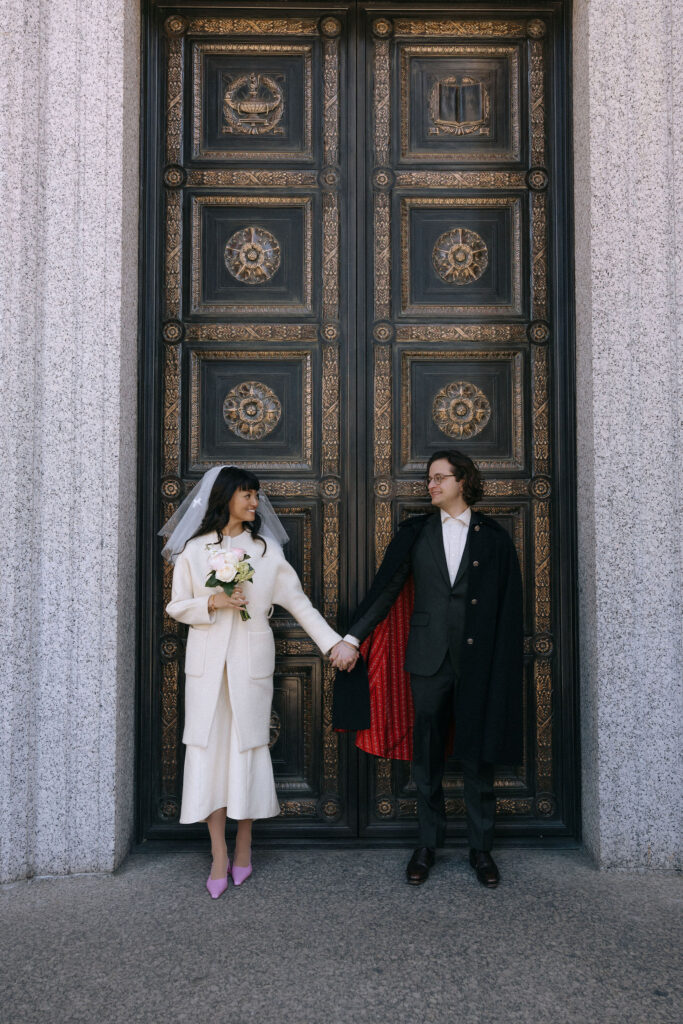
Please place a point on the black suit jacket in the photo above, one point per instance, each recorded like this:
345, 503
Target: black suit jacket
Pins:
483, 610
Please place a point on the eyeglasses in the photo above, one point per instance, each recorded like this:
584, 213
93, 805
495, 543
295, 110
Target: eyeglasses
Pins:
438, 478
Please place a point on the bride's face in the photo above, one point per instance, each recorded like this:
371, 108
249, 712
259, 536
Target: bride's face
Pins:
243, 505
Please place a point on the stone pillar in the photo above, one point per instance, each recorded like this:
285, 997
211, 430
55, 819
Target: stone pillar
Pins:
629, 279
69, 104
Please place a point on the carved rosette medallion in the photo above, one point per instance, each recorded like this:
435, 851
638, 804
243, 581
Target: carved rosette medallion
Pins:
545, 805
275, 728
461, 409
329, 808
331, 27
537, 179
383, 177
539, 332
171, 488
329, 333
384, 487
169, 809
253, 104
329, 177
172, 332
174, 176
330, 487
540, 487
382, 28
536, 28
252, 410
169, 648
453, 100
543, 645
383, 331
460, 256
175, 26
252, 255
385, 807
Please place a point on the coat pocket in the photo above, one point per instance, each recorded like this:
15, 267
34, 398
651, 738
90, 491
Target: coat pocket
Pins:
261, 654
195, 651
419, 619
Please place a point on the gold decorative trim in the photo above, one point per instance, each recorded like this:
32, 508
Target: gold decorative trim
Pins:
169, 727
253, 26
382, 102
462, 155
330, 410
540, 412
331, 520
516, 361
245, 178
199, 50
252, 332
173, 246
461, 179
428, 27
200, 357
539, 256
542, 596
237, 308
330, 268
292, 489
513, 203
331, 101
382, 426
464, 332
492, 488
174, 101
382, 256
544, 724
537, 97
171, 431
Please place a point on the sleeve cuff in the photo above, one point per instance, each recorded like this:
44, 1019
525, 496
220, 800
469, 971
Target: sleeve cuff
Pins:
349, 639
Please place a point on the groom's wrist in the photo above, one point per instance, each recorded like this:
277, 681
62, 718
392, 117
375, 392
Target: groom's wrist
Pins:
350, 639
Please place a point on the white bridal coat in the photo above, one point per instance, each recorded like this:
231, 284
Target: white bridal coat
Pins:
221, 640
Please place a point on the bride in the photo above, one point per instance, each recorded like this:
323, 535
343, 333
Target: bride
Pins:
229, 660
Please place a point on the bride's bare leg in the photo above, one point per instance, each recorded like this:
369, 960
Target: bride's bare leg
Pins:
219, 849
242, 857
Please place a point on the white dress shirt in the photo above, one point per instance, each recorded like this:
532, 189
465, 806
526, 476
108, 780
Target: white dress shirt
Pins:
454, 539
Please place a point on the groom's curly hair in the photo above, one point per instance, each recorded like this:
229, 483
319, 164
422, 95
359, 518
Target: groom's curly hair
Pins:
464, 469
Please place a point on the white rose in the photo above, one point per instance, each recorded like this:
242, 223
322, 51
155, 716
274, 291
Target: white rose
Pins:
226, 573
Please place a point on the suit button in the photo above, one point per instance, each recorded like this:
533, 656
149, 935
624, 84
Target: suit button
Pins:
473, 601
470, 640
477, 529
475, 564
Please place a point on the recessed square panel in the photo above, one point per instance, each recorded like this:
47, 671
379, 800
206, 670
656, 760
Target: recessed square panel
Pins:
251, 409
251, 255
301, 520
294, 726
461, 256
252, 102
470, 400
460, 103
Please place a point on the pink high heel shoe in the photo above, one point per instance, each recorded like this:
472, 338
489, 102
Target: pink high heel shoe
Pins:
217, 886
239, 874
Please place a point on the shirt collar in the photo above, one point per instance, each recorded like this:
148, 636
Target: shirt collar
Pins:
463, 518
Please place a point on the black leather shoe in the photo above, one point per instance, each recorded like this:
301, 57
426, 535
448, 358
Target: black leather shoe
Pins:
419, 864
485, 866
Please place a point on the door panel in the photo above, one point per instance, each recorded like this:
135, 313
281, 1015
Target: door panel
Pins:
350, 211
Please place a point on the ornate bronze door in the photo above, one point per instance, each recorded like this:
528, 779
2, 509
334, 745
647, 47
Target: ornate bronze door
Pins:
350, 215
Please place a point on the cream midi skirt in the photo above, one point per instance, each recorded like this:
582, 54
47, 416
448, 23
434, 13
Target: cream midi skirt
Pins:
220, 775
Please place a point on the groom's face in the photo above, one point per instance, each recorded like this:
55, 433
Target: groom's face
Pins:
442, 485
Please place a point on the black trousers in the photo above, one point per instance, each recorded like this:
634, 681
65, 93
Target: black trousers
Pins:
434, 700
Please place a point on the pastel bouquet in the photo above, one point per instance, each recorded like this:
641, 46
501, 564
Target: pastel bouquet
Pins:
227, 570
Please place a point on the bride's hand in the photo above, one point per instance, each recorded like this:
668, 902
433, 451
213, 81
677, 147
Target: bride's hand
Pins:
221, 600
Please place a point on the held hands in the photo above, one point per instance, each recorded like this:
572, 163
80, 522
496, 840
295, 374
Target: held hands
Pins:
221, 600
344, 656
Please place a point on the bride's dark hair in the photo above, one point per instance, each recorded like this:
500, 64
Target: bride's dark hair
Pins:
229, 480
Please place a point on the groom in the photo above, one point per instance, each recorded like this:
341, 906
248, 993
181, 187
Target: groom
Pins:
463, 653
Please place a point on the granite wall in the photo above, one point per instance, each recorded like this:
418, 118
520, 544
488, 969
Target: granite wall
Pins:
69, 106
628, 88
